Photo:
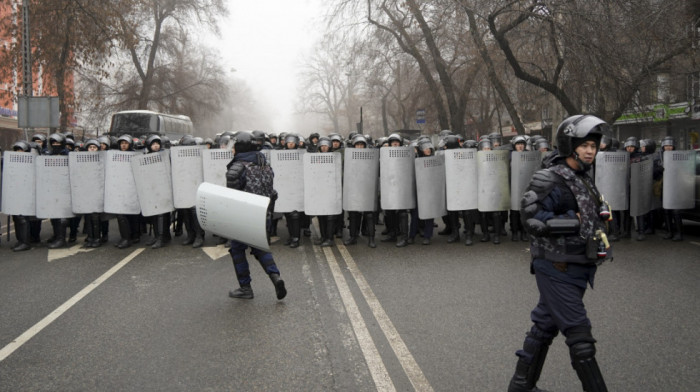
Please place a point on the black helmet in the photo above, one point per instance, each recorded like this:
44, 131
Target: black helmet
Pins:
57, 138
541, 143
166, 141
518, 139
314, 135
291, 138
188, 140
615, 144
668, 141
258, 138
125, 138
224, 140
451, 141
21, 146
395, 137
631, 142
39, 137
104, 139
92, 142
425, 145
324, 141
649, 144
575, 129
359, 139
485, 143
153, 139
470, 144
496, 137
244, 142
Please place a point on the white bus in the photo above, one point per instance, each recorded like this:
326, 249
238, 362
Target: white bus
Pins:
144, 122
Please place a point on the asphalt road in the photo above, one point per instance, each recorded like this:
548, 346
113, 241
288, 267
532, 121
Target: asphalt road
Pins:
443, 317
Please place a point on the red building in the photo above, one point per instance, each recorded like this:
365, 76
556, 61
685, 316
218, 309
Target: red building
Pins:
11, 77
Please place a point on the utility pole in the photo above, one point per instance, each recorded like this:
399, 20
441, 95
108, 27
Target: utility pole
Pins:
27, 87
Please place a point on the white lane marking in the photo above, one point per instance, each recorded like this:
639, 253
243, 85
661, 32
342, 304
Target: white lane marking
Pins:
409, 364
36, 328
55, 254
381, 378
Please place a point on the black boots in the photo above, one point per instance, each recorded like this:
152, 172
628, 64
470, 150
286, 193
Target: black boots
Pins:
161, 231
403, 229
22, 233
327, 226
369, 227
280, 290
124, 232
453, 222
582, 351
244, 292
94, 229
530, 361
354, 228
59, 233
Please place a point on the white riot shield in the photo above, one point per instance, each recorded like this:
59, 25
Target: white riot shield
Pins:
641, 180
53, 187
233, 214
87, 181
679, 180
430, 187
187, 174
397, 179
612, 178
494, 190
120, 188
153, 183
268, 154
361, 171
289, 179
18, 183
323, 183
523, 164
214, 163
460, 179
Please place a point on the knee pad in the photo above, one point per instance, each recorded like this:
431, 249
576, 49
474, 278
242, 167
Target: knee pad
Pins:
580, 342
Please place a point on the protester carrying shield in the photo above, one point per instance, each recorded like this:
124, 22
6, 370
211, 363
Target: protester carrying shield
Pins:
249, 172
563, 212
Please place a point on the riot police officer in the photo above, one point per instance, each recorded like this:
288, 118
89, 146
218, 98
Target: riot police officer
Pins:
517, 231
160, 222
57, 146
294, 218
22, 223
92, 220
561, 210
195, 233
357, 219
494, 217
672, 218
129, 224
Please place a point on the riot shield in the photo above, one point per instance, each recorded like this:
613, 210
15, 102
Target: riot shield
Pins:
214, 163
268, 154
323, 183
523, 164
612, 178
53, 187
233, 214
361, 172
87, 181
641, 179
186, 174
120, 188
430, 187
153, 183
397, 179
18, 183
494, 190
679, 180
289, 179
460, 179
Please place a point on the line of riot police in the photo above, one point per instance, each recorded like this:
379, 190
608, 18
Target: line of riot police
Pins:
466, 183
56, 178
